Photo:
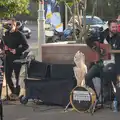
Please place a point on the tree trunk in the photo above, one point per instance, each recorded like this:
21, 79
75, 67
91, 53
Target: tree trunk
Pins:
74, 35
84, 31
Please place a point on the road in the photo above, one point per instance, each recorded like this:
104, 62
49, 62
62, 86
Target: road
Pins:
34, 36
33, 112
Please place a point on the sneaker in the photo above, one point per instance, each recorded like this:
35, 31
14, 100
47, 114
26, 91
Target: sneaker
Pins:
13, 96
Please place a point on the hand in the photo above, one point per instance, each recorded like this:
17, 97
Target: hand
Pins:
13, 51
102, 51
6, 47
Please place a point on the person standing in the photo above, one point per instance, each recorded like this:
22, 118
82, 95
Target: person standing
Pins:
14, 44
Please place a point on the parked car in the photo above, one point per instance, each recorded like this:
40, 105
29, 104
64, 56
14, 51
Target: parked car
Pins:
95, 23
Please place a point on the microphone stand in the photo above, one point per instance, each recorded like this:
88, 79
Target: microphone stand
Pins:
101, 52
100, 65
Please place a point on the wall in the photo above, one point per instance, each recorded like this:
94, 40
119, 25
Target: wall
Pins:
64, 53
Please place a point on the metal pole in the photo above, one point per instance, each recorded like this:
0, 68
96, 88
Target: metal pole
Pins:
41, 29
74, 20
66, 16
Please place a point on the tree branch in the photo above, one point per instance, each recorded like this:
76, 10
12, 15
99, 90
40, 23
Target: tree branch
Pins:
68, 8
78, 14
86, 29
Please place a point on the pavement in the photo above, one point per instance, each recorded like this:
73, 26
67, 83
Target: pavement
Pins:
33, 112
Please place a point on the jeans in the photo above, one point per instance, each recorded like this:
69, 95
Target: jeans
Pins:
106, 73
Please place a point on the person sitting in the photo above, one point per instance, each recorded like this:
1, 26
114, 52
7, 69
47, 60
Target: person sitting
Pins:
109, 36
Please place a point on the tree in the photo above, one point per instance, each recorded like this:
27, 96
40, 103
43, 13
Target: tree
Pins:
79, 10
114, 4
105, 9
13, 7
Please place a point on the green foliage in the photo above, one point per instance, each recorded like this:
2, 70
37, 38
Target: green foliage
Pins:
14, 7
115, 5
106, 9
68, 2
35, 0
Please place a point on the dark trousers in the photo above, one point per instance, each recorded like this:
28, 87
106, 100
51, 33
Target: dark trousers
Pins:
107, 73
93, 72
10, 66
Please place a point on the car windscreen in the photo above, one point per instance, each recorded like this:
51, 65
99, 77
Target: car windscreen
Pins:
93, 21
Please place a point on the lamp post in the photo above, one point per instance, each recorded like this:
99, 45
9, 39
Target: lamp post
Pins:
41, 29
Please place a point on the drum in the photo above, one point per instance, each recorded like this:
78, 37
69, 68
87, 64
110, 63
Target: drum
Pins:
82, 98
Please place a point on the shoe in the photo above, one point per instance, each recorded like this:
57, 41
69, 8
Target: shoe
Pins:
6, 98
13, 97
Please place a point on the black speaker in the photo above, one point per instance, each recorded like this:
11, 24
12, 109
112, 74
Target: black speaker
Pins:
55, 89
50, 92
38, 69
61, 71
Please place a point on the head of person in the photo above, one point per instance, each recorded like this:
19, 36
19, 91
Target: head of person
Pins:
11, 25
112, 26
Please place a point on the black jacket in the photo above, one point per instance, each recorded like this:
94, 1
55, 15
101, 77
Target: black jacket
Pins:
15, 40
113, 41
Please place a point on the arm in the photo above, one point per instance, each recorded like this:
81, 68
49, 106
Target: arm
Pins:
94, 42
23, 46
117, 43
90, 41
94, 37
